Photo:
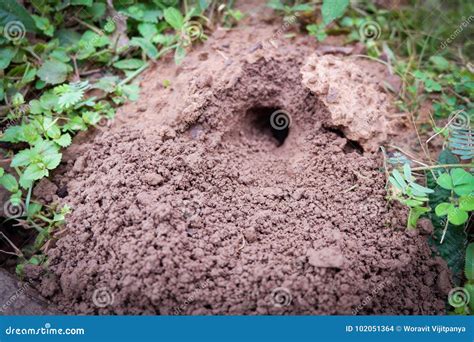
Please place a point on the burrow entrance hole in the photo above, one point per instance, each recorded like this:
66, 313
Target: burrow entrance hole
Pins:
270, 122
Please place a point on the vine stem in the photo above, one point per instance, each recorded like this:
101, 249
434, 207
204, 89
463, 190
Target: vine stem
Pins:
441, 166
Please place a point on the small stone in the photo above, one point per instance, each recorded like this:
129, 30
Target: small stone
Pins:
153, 179
250, 234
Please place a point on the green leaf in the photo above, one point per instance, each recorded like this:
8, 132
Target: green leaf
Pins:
2, 172
12, 11
445, 181
34, 172
174, 18
399, 178
460, 176
130, 64
6, 55
23, 158
53, 72
302, 8
470, 289
457, 216
333, 9
44, 25
146, 46
440, 63
131, 91
87, 3
466, 202
421, 189
12, 134
9, 182
148, 30
431, 85
407, 171
91, 118
442, 209
414, 215
276, 5
64, 140
469, 265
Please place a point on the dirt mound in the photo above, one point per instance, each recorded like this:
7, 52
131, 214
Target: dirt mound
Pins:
226, 193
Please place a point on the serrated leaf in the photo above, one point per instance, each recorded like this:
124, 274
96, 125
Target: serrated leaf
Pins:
53, 72
34, 172
53, 131
174, 18
91, 118
333, 9
64, 141
146, 46
9, 182
22, 158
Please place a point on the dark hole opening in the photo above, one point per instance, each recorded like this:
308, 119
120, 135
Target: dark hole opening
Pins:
351, 145
273, 121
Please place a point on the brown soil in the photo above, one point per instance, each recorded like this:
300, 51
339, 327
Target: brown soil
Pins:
192, 204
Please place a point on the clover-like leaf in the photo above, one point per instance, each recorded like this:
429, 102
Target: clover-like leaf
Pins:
445, 181
457, 216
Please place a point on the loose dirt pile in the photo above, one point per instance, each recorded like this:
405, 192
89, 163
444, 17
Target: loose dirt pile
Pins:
193, 203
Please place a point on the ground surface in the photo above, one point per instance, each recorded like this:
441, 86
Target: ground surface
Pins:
192, 204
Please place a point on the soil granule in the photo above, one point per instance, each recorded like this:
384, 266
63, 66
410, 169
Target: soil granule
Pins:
192, 203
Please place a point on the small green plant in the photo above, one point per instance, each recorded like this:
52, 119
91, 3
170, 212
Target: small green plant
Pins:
65, 67
461, 185
289, 10
408, 192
